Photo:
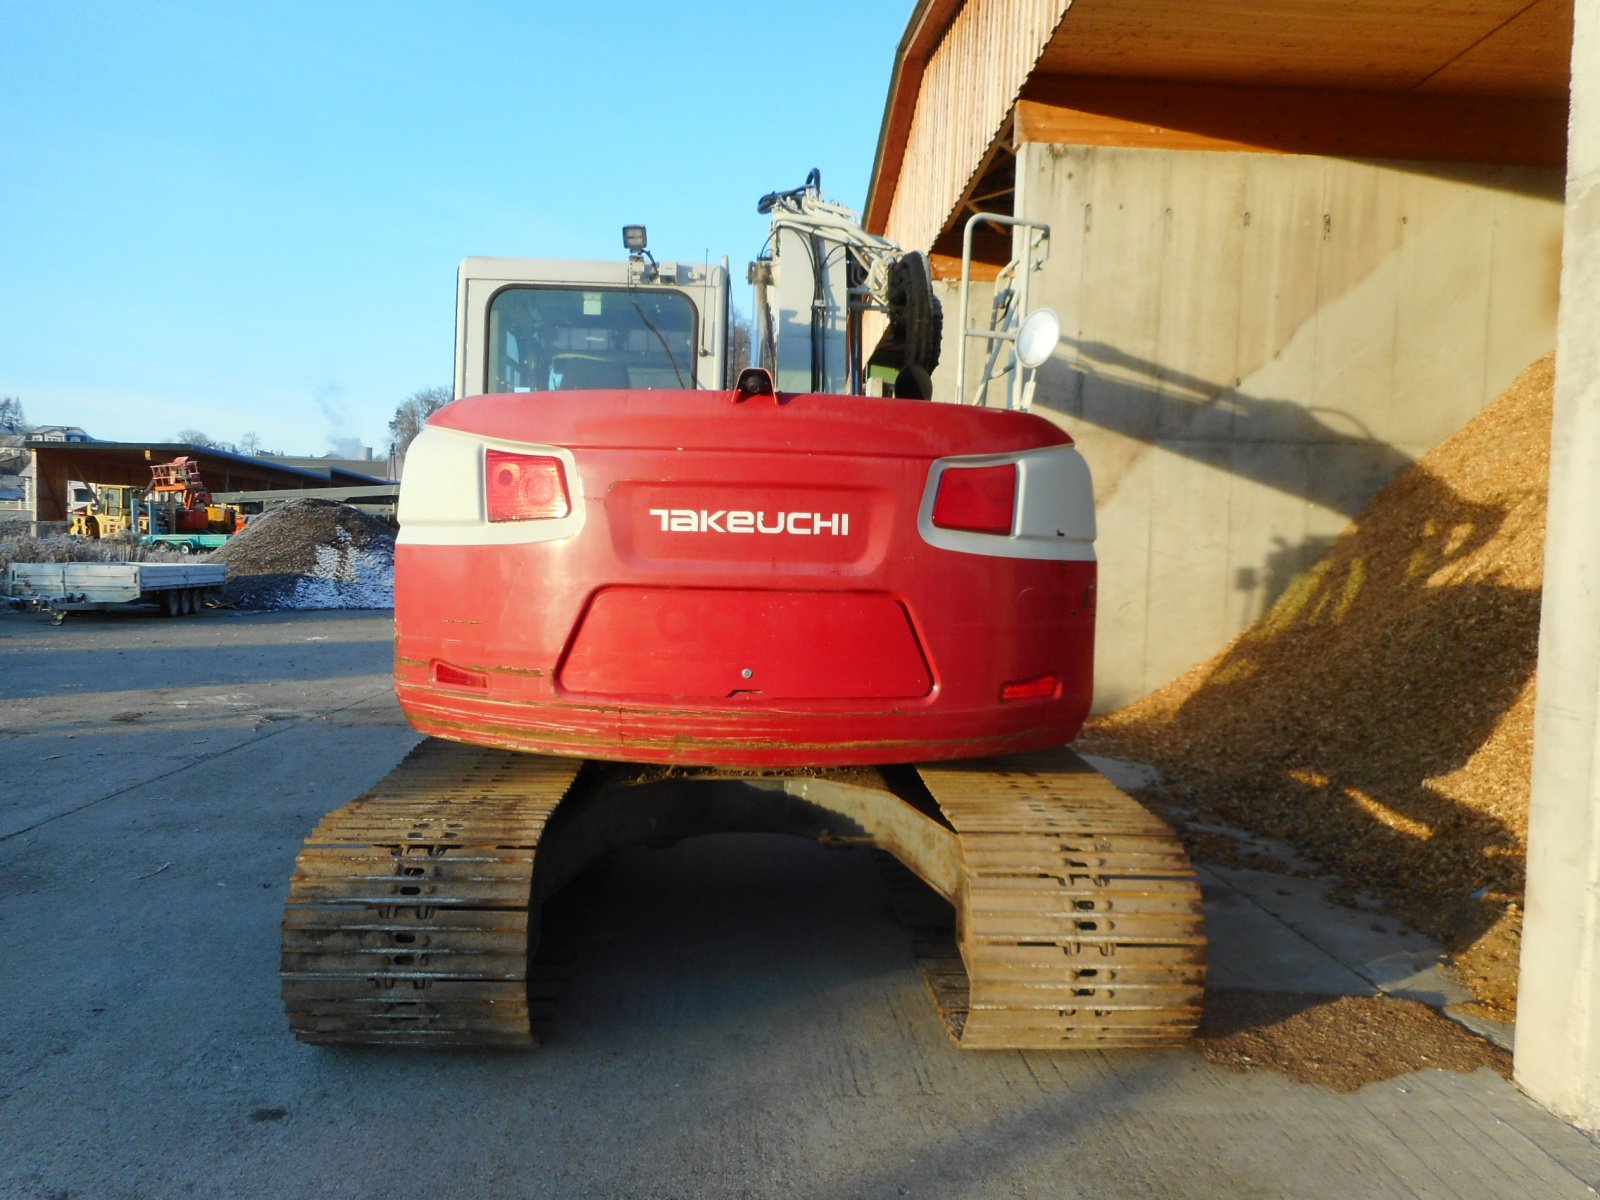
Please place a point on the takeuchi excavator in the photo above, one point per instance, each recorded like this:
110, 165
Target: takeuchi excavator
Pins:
640, 598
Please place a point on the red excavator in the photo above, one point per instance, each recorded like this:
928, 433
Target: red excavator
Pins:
638, 598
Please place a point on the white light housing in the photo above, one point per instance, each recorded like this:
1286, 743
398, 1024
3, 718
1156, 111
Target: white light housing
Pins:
633, 237
1038, 338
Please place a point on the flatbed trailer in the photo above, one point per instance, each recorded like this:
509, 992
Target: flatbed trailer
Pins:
177, 589
187, 543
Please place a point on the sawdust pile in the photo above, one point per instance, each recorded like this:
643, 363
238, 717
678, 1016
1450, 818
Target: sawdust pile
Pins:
310, 554
1379, 718
1340, 1042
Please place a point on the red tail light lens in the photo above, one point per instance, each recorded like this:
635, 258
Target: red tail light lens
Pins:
525, 487
976, 499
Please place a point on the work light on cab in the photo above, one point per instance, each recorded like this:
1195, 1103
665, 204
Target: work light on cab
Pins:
976, 499
524, 487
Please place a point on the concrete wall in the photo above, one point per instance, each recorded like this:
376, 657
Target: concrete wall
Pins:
979, 302
1254, 344
1558, 1000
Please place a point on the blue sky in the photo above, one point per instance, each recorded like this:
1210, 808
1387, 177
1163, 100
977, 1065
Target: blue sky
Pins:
248, 217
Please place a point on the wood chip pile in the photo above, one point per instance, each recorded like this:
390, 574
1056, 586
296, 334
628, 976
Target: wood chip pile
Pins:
1379, 717
1342, 1043
310, 553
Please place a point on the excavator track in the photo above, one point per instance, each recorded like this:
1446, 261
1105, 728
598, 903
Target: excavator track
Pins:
1076, 916
410, 913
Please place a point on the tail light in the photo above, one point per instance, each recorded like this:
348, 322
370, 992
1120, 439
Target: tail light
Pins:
976, 499
524, 487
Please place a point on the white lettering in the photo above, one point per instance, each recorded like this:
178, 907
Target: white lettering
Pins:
745, 521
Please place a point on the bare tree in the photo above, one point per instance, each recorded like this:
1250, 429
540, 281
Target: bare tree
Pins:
741, 341
250, 444
412, 415
12, 418
195, 437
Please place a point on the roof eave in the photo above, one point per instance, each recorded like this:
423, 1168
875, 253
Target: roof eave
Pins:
924, 30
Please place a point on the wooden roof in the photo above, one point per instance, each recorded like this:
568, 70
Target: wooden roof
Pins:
963, 65
130, 462
1456, 47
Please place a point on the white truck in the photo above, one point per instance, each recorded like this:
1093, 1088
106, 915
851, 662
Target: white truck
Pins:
177, 589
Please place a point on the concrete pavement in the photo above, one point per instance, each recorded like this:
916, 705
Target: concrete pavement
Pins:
745, 1017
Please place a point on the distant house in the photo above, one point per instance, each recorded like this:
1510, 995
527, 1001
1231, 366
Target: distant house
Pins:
58, 433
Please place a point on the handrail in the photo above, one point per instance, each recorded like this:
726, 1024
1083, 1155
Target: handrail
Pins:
1025, 270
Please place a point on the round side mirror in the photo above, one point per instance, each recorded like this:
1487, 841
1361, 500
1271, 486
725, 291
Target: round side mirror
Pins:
1038, 338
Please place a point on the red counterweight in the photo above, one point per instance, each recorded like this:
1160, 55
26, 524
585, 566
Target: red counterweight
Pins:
722, 579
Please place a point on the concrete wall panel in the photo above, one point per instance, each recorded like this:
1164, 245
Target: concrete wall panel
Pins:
1442, 309
1351, 325
1197, 344
980, 298
1188, 584
1122, 618
1524, 272
1121, 242
1283, 206
1558, 1018
1255, 344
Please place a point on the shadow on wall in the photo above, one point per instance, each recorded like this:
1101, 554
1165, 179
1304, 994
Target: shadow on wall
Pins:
1327, 457
1184, 414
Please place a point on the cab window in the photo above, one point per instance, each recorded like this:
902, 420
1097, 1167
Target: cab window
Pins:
564, 338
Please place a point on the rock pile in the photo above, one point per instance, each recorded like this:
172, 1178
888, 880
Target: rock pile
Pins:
310, 554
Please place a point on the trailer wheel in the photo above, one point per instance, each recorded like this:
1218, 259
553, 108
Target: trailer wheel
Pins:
185, 548
171, 605
186, 602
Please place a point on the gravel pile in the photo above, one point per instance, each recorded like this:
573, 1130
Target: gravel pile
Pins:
310, 554
1379, 718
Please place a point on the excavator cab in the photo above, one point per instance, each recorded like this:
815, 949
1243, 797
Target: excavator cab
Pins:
538, 325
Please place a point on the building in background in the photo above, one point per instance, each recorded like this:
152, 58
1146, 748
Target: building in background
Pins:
1292, 246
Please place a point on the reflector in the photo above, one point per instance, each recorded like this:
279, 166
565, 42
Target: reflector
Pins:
1042, 688
443, 672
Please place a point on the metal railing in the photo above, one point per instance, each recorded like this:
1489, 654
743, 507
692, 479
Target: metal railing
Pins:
1005, 317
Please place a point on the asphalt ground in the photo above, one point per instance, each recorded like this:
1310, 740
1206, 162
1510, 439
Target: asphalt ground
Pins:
744, 1017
